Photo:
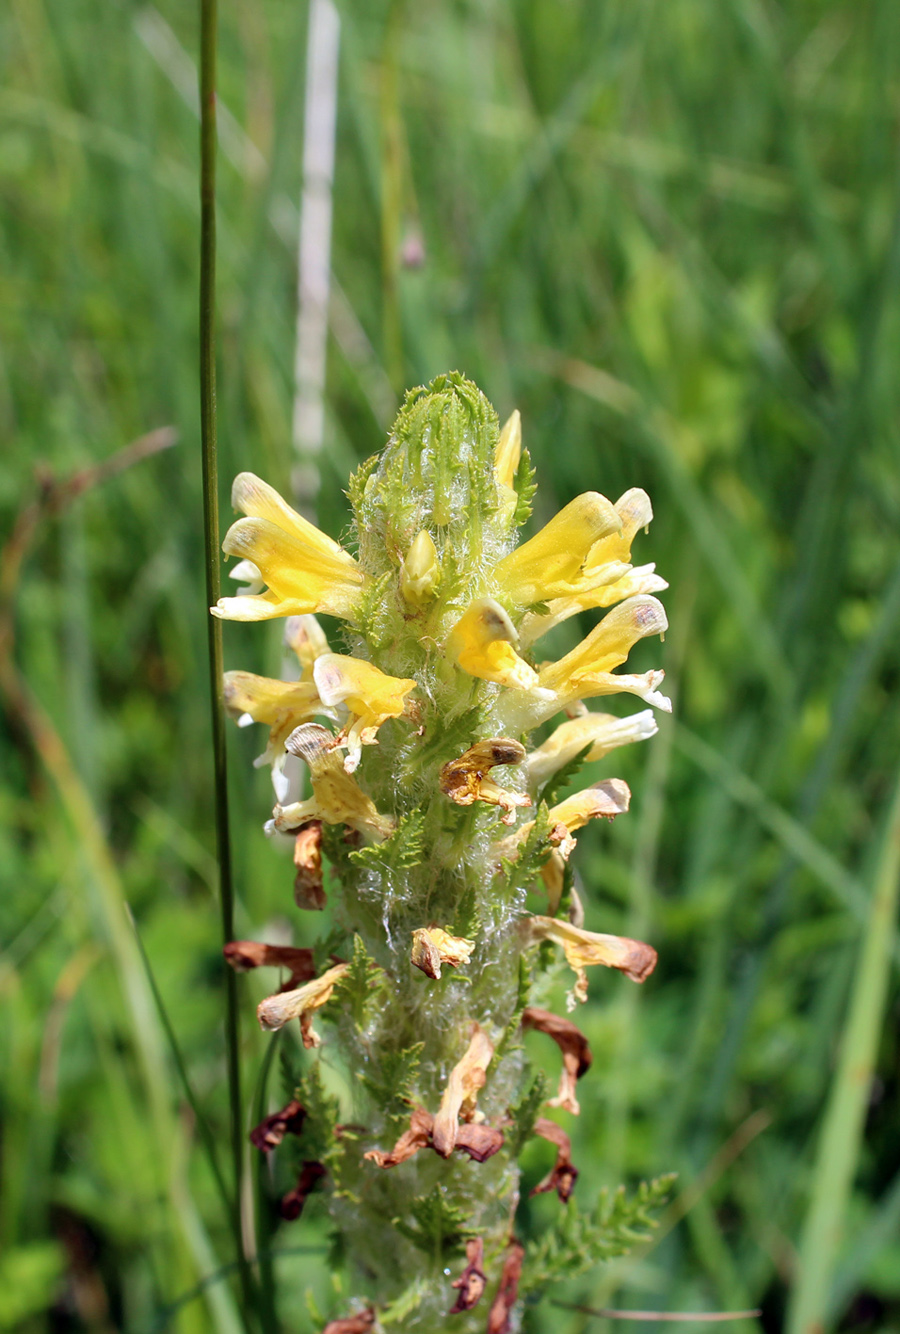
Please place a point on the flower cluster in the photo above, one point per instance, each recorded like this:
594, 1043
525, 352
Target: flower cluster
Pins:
435, 804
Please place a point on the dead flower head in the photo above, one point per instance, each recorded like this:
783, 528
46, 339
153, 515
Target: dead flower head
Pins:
460, 1095
576, 1053
432, 947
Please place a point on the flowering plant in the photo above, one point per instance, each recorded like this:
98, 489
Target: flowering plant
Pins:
437, 819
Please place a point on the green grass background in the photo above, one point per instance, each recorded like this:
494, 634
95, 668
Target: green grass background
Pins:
669, 234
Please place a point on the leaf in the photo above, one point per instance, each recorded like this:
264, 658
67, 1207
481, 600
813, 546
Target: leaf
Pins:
525, 1113
356, 486
580, 1240
525, 486
406, 1303
400, 852
318, 1141
361, 985
392, 1088
532, 852
523, 995
440, 1226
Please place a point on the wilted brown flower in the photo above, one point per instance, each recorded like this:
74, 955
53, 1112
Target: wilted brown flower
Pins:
472, 1280
576, 1053
246, 954
564, 1173
466, 1078
308, 888
292, 1203
464, 780
432, 947
352, 1324
272, 1129
502, 1305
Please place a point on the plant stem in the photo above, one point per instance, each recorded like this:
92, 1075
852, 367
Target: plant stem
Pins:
208, 25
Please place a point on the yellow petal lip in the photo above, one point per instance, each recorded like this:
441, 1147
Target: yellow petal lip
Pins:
588, 670
255, 498
371, 696
609, 797
483, 643
459, 1099
603, 732
268, 700
301, 1003
301, 578
550, 565
509, 451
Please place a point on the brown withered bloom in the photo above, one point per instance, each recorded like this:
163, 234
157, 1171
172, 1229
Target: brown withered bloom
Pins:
479, 1141
309, 891
300, 1003
246, 954
564, 1173
466, 1078
464, 780
472, 1281
352, 1324
572, 1043
272, 1129
433, 946
501, 1307
292, 1203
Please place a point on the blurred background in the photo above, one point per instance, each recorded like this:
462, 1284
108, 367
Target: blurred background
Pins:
668, 234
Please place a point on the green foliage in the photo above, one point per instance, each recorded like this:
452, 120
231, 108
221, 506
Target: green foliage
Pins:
362, 986
400, 852
524, 1114
438, 1227
531, 853
391, 1084
523, 994
580, 1240
408, 1301
28, 1279
356, 487
318, 1139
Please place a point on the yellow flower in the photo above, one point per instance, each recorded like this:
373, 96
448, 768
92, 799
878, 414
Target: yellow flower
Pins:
276, 1011
432, 946
304, 569
464, 779
371, 697
601, 731
460, 1095
506, 463
483, 643
582, 948
337, 797
588, 670
420, 571
550, 565
608, 576
282, 705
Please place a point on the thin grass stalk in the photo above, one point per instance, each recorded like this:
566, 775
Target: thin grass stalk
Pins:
208, 29
844, 1124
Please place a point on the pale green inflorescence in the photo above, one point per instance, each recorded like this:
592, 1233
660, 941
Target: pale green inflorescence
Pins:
416, 732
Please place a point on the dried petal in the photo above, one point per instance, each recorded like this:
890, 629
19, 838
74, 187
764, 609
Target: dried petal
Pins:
564, 1173
572, 1043
432, 947
472, 1281
464, 780
632, 957
308, 889
502, 1306
478, 1140
246, 954
292, 1203
274, 1012
417, 1137
272, 1130
352, 1324
459, 1099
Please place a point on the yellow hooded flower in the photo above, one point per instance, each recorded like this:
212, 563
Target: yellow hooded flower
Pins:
483, 643
337, 797
305, 571
460, 1095
583, 948
420, 571
603, 732
276, 1011
608, 576
371, 697
551, 564
282, 705
506, 463
588, 670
